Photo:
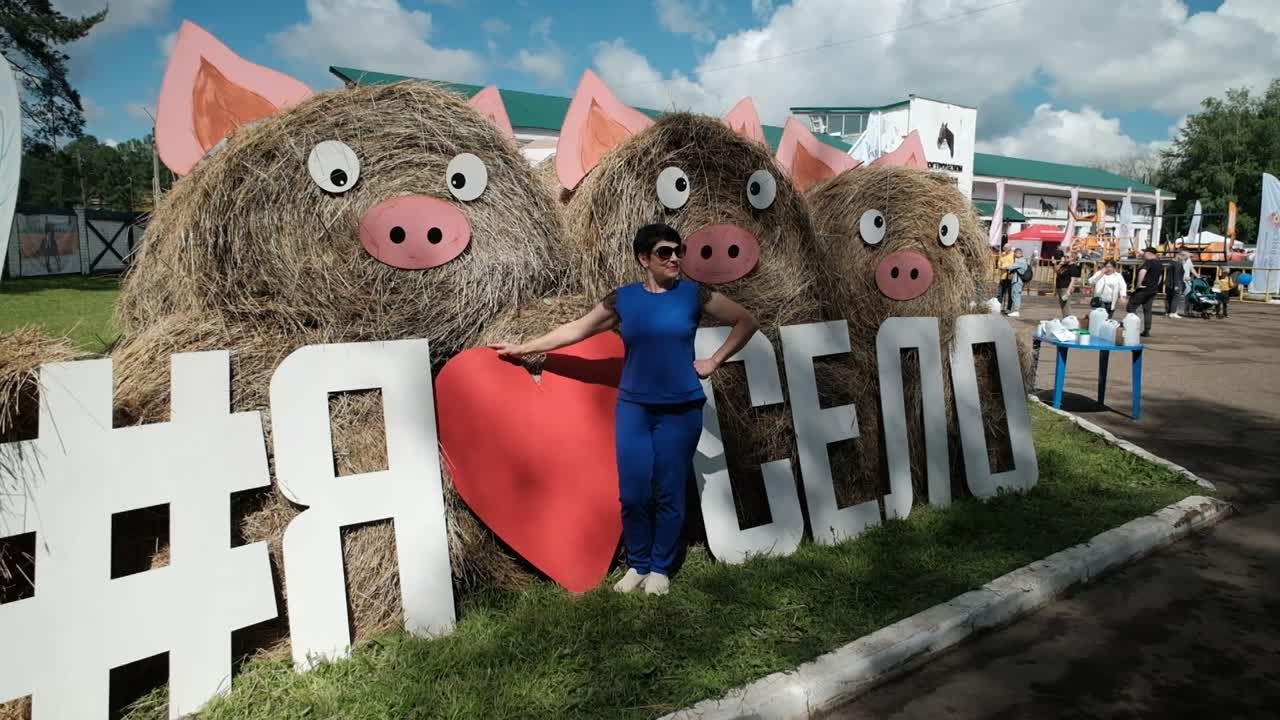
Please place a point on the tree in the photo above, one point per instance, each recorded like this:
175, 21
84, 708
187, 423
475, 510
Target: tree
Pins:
31, 32
1142, 167
115, 178
1220, 155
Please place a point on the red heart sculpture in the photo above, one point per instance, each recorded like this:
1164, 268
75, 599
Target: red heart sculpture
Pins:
536, 460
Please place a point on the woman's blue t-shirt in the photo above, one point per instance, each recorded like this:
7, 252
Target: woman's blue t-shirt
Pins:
658, 331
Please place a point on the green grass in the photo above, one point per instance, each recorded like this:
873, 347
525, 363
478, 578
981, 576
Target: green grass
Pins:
72, 305
545, 654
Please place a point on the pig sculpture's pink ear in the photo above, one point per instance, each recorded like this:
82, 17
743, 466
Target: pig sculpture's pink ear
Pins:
489, 102
209, 91
744, 120
596, 123
807, 159
909, 154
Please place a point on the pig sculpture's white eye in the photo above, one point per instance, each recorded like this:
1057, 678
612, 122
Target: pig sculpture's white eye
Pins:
871, 227
334, 166
467, 177
761, 189
673, 188
949, 229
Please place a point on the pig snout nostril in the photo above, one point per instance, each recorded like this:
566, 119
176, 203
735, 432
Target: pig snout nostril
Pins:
706, 252
914, 273
397, 234
894, 272
733, 251
434, 236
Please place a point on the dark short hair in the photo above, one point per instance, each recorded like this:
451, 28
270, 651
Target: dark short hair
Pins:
1149, 250
650, 235
1112, 263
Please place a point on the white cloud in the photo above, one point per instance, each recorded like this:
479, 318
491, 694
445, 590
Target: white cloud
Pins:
138, 111
380, 35
688, 17
111, 142
631, 75
121, 14
548, 66
93, 111
1138, 54
1078, 138
761, 9
166, 42
541, 28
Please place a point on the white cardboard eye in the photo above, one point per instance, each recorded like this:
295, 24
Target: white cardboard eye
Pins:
871, 227
333, 166
949, 229
761, 189
673, 188
466, 177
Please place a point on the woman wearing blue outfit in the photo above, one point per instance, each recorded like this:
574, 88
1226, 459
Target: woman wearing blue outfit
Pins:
660, 398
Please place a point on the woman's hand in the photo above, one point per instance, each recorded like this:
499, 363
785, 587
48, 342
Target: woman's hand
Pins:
507, 350
705, 367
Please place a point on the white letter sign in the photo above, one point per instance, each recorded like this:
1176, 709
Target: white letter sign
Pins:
972, 330
61, 643
895, 335
817, 426
725, 537
408, 492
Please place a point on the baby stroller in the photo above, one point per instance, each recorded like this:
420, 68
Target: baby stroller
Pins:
1201, 299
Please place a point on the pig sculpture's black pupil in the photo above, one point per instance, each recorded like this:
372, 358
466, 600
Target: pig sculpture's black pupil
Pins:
879, 221
458, 181
755, 188
944, 230
681, 184
338, 178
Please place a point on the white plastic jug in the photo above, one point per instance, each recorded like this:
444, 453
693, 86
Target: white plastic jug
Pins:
1110, 332
1071, 322
993, 306
1097, 316
1132, 330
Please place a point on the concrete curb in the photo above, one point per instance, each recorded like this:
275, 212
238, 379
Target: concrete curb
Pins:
1125, 444
838, 677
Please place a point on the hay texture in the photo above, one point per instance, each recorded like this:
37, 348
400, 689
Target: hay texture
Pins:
22, 352
249, 236
619, 196
248, 254
913, 203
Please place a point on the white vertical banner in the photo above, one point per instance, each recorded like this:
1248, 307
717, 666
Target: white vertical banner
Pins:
1126, 220
997, 217
1268, 254
1069, 233
1157, 222
1193, 233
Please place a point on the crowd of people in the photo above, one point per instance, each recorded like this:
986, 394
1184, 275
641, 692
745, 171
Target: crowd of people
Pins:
1109, 288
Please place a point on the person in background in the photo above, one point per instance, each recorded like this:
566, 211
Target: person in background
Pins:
1182, 272
1146, 287
1068, 274
1225, 285
1006, 259
1015, 271
1108, 288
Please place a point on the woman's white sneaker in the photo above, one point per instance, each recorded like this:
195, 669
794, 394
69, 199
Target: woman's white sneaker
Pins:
630, 582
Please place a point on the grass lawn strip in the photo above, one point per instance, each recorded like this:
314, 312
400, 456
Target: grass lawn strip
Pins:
546, 654
72, 305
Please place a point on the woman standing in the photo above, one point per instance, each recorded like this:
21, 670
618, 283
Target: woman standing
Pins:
658, 418
1181, 287
1016, 271
1109, 288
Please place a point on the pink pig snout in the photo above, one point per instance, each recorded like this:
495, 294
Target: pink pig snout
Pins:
904, 275
414, 232
720, 253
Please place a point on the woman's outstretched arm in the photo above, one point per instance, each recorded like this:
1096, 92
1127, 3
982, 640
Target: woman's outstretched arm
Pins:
744, 326
597, 320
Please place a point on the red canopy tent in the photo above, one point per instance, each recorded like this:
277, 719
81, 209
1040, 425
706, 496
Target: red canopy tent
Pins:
1039, 240
1040, 232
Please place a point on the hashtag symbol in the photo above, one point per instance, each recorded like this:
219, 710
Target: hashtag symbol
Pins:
61, 643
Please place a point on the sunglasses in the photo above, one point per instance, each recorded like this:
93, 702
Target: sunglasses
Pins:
666, 251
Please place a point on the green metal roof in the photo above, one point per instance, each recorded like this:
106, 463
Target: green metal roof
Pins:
1085, 177
534, 110
846, 108
986, 207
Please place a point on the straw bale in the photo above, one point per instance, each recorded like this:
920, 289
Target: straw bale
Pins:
249, 236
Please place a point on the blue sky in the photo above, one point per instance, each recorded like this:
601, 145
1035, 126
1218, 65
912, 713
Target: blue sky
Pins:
1059, 80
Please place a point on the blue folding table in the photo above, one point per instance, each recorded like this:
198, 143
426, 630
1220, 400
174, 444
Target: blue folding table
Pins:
1104, 350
